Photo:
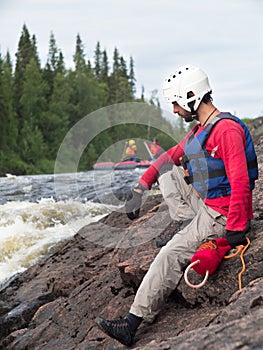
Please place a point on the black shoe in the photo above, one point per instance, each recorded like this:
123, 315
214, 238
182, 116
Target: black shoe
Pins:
118, 329
162, 241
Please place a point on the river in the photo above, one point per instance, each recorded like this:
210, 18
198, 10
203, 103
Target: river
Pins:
38, 213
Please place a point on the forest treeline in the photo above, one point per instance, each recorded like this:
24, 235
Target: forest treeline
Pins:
39, 105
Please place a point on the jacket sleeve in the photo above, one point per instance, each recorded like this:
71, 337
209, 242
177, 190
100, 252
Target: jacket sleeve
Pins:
232, 151
172, 156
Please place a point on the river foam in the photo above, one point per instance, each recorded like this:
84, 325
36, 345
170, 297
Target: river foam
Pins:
29, 231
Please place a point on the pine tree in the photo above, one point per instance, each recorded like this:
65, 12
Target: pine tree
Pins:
88, 93
79, 56
123, 68
33, 105
104, 77
61, 64
26, 51
55, 64
53, 53
58, 115
2, 107
104, 81
10, 124
33, 101
132, 79
114, 77
34, 48
98, 62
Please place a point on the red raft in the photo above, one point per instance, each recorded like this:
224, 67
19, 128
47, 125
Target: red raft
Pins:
103, 166
124, 165
131, 164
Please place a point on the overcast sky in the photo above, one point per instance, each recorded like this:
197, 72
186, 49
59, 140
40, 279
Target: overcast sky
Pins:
223, 37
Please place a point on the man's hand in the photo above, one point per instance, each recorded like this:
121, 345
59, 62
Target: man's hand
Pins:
133, 204
236, 238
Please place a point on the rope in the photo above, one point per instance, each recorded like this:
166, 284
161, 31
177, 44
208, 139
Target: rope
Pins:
240, 250
208, 245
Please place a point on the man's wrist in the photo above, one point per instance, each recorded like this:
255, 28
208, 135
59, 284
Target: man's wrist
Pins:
139, 188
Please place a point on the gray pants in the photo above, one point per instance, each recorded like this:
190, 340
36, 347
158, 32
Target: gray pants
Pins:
167, 268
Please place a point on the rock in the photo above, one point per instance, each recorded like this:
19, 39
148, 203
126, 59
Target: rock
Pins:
22, 314
238, 326
53, 304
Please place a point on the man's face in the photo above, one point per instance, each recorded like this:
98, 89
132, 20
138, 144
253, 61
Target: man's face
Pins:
177, 109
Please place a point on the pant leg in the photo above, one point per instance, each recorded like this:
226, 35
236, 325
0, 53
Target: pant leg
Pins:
180, 198
167, 268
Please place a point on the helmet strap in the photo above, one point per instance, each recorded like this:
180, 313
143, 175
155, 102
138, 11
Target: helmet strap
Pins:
191, 106
193, 112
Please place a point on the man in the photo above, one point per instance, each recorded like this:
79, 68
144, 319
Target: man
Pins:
131, 150
155, 149
214, 190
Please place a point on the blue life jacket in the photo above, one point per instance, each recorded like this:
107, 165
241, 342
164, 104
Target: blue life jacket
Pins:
206, 173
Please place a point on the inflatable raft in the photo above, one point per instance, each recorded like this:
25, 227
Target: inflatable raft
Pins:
124, 165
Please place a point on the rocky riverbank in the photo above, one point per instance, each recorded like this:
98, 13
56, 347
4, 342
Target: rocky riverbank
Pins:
53, 304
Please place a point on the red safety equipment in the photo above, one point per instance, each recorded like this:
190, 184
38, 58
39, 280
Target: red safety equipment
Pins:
210, 254
207, 258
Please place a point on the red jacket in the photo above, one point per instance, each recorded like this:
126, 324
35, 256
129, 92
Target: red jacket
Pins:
155, 149
227, 141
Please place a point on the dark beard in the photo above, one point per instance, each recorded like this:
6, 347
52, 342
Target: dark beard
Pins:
189, 118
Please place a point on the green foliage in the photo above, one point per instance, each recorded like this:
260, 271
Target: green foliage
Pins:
246, 120
26, 51
39, 105
33, 101
8, 131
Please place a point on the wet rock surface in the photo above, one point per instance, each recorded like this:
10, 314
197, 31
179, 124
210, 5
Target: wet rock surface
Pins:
53, 304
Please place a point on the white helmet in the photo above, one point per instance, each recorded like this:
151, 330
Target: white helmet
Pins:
186, 79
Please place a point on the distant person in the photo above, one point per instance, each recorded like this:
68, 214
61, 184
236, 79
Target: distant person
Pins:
131, 150
155, 149
214, 193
